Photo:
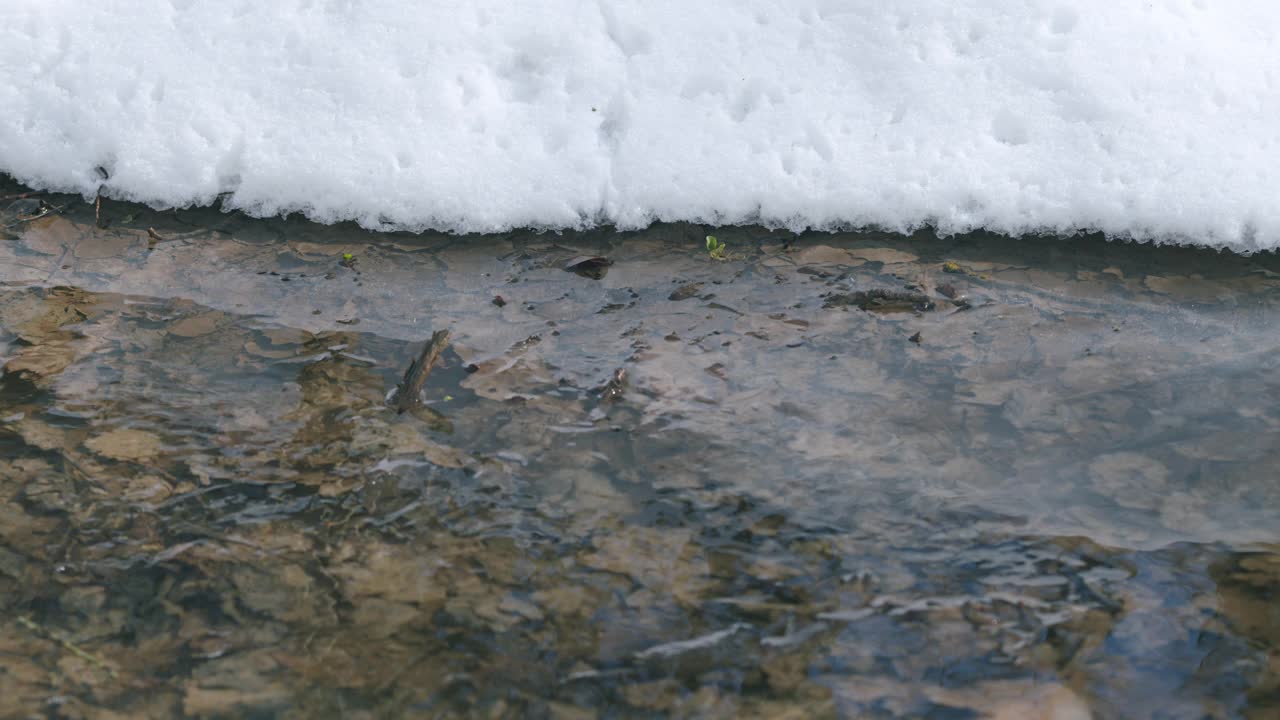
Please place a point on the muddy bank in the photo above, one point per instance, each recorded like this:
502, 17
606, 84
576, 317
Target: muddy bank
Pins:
827, 475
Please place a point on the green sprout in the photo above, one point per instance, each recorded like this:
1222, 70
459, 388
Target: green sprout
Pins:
715, 248
347, 257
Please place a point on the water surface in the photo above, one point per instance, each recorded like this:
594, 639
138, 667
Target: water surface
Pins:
1048, 487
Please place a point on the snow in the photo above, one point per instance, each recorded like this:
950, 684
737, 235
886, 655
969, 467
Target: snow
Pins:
1155, 120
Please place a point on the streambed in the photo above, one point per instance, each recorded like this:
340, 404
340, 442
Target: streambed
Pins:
1042, 479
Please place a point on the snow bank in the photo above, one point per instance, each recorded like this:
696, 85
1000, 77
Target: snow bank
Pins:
1158, 119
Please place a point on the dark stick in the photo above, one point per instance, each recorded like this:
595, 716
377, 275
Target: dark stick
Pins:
410, 392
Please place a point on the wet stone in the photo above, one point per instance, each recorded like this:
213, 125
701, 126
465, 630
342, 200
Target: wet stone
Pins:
50, 492
125, 444
684, 292
880, 300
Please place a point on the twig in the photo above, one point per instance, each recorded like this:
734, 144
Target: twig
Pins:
57, 265
71, 647
410, 390
44, 210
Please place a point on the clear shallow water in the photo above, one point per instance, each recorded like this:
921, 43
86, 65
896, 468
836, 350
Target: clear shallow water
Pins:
1061, 499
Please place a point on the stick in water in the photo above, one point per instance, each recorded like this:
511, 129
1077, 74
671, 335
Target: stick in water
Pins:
410, 392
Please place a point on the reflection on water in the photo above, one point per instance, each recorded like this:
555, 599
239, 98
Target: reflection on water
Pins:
1052, 495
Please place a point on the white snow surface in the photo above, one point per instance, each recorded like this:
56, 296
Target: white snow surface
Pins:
1157, 120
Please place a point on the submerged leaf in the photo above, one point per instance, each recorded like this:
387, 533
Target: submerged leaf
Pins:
589, 266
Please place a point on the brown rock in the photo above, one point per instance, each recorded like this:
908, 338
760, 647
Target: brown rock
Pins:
126, 445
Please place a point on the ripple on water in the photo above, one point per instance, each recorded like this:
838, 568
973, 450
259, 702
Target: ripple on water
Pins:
1056, 501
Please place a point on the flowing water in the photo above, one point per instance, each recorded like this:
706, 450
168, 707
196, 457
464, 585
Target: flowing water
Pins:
852, 475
